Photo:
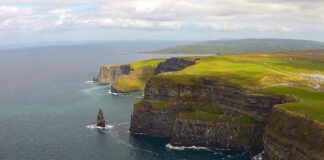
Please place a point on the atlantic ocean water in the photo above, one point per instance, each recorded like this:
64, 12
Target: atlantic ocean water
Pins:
48, 108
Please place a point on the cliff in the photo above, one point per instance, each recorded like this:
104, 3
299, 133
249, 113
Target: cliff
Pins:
293, 136
227, 102
133, 77
109, 73
202, 112
238, 136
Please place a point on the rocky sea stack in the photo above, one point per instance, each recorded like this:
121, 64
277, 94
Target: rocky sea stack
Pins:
101, 119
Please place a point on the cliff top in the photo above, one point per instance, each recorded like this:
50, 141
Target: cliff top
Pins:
141, 71
298, 74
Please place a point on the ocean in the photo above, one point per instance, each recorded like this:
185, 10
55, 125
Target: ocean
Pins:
48, 107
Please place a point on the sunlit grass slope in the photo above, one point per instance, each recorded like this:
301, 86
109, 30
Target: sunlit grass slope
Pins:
280, 74
136, 80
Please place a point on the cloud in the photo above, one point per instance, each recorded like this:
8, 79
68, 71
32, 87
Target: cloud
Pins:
160, 15
125, 23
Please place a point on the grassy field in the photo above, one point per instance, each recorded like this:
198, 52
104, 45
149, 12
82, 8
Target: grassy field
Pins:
280, 74
140, 74
255, 71
310, 104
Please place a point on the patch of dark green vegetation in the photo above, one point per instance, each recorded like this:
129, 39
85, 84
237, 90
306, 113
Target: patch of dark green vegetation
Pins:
218, 118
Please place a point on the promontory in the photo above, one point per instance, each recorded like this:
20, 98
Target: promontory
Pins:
251, 102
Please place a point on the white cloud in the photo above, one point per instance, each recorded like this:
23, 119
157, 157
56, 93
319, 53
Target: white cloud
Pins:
171, 24
213, 15
124, 23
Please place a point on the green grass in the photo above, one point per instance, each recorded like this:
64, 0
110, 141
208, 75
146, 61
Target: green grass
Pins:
278, 74
137, 79
255, 70
273, 74
310, 103
155, 106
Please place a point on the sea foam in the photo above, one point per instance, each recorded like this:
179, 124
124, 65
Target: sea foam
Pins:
93, 126
169, 146
91, 82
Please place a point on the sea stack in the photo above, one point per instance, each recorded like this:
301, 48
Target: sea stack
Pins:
101, 119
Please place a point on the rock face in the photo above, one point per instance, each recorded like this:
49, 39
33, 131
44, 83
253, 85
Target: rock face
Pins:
290, 136
165, 121
174, 64
157, 123
109, 73
101, 119
219, 135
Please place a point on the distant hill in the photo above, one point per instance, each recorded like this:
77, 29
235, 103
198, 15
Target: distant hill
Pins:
243, 45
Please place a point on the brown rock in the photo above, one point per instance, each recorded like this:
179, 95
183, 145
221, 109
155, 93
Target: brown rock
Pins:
101, 119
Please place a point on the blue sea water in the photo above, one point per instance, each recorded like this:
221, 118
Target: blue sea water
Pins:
48, 111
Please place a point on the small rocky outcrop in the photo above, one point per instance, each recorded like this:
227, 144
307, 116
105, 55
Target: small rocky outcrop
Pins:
101, 119
290, 136
174, 64
109, 73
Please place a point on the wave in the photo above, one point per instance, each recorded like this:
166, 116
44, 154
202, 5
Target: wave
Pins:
91, 82
259, 156
169, 146
113, 93
89, 90
133, 94
94, 126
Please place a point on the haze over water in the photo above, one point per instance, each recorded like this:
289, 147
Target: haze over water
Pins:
47, 110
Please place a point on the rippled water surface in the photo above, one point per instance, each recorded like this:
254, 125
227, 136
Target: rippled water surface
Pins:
48, 111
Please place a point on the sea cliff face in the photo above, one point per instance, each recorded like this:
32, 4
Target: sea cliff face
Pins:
217, 134
294, 137
109, 73
154, 122
165, 101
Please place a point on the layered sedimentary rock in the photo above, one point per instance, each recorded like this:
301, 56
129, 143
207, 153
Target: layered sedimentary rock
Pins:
149, 121
217, 134
109, 73
158, 113
290, 136
174, 64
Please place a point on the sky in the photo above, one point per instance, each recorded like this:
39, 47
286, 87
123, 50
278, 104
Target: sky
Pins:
38, 21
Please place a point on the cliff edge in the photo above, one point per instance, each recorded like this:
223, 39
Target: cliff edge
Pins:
109, 73
293, 136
